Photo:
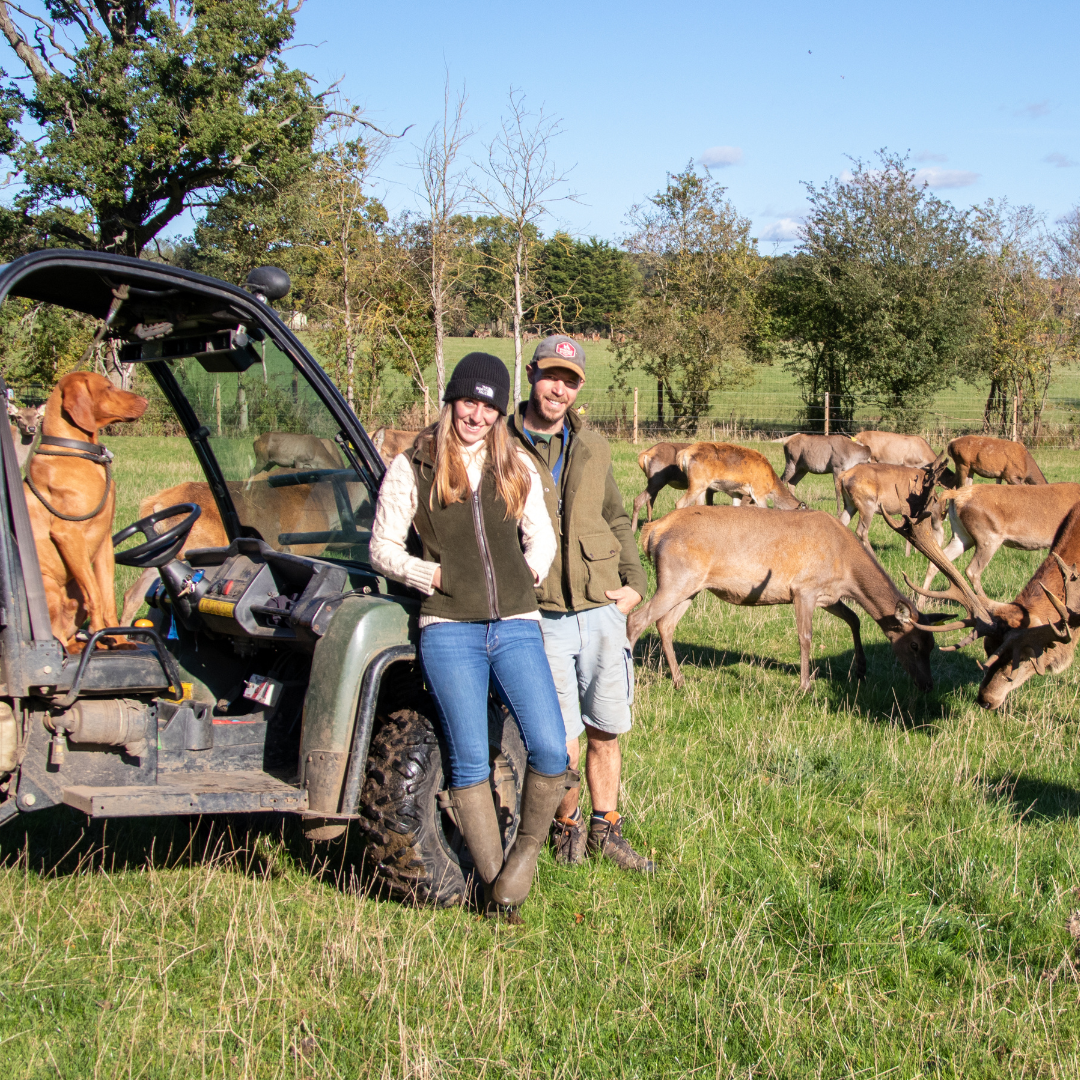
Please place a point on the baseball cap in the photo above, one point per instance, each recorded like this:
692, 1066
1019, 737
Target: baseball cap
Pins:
558, 350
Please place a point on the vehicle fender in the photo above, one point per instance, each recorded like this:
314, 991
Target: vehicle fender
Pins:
361, 628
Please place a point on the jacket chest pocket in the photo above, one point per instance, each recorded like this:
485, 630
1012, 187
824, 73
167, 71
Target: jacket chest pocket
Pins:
601, 555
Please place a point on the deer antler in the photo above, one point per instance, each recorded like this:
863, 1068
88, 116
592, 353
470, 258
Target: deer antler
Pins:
916, 527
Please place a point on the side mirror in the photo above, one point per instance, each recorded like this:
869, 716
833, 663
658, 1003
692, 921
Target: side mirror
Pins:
268, 283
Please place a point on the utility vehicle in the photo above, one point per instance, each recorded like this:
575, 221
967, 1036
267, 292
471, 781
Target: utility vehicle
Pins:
278, 673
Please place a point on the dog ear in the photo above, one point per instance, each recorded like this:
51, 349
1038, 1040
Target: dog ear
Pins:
78, 403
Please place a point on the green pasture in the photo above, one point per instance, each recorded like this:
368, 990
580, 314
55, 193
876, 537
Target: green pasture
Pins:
861, 881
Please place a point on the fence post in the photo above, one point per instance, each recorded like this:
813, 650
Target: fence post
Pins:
635, 416
826, 412
217, 404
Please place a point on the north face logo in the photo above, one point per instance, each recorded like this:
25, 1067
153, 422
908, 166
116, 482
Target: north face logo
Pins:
483, 390
566, 350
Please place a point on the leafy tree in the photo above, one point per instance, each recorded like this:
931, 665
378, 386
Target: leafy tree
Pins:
880, 303
581, 285
697, 308
1030, 324
146, 108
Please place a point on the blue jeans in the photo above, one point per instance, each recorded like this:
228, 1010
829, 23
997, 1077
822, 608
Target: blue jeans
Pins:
461, 662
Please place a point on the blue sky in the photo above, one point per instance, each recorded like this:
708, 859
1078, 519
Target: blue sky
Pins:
984, 96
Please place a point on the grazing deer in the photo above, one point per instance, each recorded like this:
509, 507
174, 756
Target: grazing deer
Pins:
821, 454
751, 557
987, 517
661, 471
871, 487
1035, 634
736, 470
286, 451
24, 428
891, 448
996, 459
392, 441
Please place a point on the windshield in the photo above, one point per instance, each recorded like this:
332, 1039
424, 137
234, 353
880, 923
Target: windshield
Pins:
280, 452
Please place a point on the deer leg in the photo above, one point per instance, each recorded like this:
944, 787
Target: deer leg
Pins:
866, 515
839, 497
133, 598
709, 496
804, 619
665, 627
979, 561
639, 502
952, 551
842, 611
694, 494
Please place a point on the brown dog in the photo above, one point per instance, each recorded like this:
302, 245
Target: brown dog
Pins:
77, 556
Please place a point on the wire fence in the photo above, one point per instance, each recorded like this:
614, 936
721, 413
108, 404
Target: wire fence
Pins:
740, 417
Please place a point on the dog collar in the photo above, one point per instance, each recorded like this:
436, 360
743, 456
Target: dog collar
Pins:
95, 451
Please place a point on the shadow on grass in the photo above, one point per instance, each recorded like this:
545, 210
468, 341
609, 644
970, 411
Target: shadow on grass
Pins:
61, 842
887, 695
1029, 798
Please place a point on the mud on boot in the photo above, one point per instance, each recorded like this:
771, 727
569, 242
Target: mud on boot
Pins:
606, 839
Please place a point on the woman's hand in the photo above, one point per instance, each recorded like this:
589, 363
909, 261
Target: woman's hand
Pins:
436, 578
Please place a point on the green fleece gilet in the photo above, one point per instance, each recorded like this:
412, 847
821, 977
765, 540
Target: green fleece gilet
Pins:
484, 573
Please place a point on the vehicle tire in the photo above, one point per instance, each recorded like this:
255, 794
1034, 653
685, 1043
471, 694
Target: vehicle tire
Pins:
412, 844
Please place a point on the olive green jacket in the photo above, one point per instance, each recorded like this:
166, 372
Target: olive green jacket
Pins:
597, 549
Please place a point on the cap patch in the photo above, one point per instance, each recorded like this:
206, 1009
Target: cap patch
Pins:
566, 350
483, 390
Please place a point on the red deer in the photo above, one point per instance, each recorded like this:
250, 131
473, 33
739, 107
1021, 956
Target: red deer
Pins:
24, 428
872, 487
736, 470
661, 471
891, 448
1036, 633
821, 454
751, 557
987, 516
996, 459
392, 441
287, 451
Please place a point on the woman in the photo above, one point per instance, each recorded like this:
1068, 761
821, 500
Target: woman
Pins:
469, 493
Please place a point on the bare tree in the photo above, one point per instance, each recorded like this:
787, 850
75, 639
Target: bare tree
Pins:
445, 190
521, 184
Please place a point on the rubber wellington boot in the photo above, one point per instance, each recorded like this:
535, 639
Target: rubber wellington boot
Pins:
474, 809
539, 801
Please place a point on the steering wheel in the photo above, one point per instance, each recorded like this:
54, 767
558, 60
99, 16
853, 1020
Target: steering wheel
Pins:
159, 548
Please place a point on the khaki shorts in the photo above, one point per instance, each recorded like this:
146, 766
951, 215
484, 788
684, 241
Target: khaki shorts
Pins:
592, 667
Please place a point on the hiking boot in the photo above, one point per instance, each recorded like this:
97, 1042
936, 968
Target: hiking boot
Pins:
568, 840
606, 839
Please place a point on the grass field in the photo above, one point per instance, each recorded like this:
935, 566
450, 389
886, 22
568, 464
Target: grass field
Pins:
859, 881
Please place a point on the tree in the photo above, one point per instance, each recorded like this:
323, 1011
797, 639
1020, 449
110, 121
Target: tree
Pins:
582, 285
444, 190
146, 109
700, 269
522, 184
1029, 307
879, 308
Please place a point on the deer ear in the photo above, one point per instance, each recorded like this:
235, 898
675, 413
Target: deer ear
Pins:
11, 410
79, 405
904, 614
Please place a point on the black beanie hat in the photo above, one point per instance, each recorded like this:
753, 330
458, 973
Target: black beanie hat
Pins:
482, 376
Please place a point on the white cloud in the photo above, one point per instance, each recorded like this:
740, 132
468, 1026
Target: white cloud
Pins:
945, 178
719, 157
1034, 109
1062, 161
929, 155
788, 228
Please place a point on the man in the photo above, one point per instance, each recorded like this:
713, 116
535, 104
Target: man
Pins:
594, 582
